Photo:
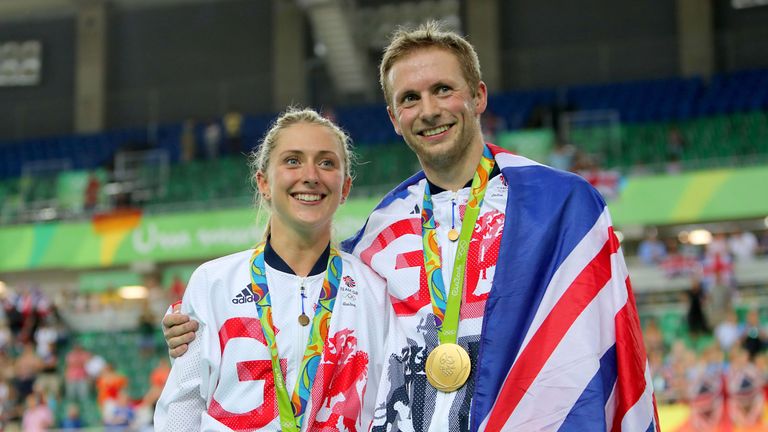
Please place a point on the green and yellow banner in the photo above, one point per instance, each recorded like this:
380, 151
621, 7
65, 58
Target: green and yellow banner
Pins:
122, 238
698, 196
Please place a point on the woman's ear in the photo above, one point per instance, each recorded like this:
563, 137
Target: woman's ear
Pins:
263, 184
346, 188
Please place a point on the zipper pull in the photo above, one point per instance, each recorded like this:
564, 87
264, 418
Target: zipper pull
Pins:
303, 318
453, 234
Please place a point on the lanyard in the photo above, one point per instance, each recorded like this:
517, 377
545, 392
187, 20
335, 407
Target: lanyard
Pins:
292, 408
446, 306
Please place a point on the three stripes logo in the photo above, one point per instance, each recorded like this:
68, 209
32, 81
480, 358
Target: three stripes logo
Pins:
244, 296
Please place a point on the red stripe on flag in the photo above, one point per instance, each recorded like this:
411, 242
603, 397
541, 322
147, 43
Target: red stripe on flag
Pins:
630, 359
552, 330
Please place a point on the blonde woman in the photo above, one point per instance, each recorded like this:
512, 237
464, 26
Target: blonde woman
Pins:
291, 333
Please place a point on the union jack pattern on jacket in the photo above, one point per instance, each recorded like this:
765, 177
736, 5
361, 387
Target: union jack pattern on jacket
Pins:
557, 343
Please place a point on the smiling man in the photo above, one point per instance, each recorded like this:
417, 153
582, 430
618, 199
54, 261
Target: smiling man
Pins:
506, 276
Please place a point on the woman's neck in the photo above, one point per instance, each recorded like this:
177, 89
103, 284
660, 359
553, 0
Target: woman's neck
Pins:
299, 250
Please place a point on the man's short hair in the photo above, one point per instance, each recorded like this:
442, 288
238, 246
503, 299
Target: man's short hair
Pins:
430, 34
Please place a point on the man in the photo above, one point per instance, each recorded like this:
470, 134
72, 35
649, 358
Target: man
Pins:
550, 339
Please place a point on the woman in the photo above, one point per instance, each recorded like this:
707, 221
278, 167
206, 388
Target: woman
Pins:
294, 308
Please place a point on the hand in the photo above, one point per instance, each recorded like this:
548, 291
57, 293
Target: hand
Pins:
179, 331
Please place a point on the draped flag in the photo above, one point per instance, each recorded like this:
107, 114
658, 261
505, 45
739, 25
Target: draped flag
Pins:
561, 346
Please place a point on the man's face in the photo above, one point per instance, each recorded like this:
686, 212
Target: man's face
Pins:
432, 106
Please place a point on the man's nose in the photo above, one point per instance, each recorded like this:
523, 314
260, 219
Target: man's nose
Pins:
430, 109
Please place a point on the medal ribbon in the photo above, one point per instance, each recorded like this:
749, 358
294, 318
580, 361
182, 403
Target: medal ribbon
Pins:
445, 306
292, 408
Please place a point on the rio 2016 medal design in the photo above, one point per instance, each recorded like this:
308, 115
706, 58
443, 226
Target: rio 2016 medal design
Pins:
448, 367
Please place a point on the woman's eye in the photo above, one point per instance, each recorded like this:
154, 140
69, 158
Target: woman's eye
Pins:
292, 161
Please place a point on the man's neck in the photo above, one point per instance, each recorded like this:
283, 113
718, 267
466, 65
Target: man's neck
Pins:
456, 176
299, 251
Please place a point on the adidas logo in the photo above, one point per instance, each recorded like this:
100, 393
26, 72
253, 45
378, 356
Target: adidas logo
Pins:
416, 210
244, 296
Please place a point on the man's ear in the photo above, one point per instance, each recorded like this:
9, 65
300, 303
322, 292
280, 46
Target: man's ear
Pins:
481, 98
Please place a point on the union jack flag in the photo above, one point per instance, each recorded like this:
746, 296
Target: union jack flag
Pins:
561, 347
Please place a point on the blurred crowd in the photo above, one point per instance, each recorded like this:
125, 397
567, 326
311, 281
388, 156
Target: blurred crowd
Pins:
714, 355
719, 374
47, 377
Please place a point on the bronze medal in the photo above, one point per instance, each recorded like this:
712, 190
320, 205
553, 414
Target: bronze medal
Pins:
453, 235
303, 320
448, 367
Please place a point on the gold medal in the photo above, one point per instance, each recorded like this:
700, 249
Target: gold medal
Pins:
303, 320
448, 367
453, 235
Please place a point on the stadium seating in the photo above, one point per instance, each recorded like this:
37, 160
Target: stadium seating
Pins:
724, 120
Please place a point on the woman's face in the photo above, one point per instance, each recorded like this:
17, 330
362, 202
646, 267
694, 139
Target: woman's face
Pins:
305, 181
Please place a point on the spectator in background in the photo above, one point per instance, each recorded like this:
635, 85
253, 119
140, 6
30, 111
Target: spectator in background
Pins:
25, 311
705, 391
233, 125
75, 375
762, 244
91, 193
109, 384
6, 339
118, 412
754, 337
145, 409
157, 380
675, 150
562, 155
729, 332
148, 326
744, 383
72, 421
188, 141
94, 366
6, 399
26, 367
38, 416
48, 381
743, 246
212, 139
718, 277
652, 336
697, 320
651, 250
678, 263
